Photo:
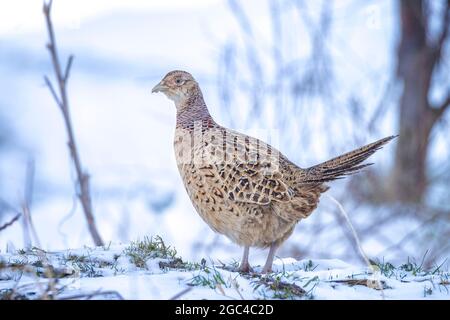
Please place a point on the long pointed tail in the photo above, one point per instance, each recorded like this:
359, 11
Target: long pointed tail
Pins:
345, 164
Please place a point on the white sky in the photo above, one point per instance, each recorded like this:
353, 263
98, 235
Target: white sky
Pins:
23, 16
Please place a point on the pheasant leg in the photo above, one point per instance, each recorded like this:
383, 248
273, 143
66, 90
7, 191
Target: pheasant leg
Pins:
245, 266
268, 266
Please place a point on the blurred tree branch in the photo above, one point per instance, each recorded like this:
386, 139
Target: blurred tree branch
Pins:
62, 101
440, 110
444, 32
26, 205
11, 222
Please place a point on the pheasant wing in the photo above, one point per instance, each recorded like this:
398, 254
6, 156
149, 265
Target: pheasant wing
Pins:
249, 169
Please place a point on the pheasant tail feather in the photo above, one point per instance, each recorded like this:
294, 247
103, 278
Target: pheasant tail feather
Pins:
345, 164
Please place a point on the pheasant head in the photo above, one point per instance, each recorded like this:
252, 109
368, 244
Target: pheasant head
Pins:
180, 87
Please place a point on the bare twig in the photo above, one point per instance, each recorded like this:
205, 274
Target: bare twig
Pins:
181, 293
62, 101
89, 296
27, 243
25, 201
26, 205
52, 90
68, 66
358, 242
236, 287
440, 110
8, 224
444, 33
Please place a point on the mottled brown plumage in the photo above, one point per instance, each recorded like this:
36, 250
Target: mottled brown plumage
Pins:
242, 187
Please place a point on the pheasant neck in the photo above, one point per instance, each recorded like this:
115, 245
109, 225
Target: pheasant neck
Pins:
193, 110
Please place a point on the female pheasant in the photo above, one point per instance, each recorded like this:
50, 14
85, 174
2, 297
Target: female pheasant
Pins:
242, 187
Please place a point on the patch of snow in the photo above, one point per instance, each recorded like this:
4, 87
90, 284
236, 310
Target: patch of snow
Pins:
109, 273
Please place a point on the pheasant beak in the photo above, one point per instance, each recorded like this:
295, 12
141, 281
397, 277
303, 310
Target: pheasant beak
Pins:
160, 87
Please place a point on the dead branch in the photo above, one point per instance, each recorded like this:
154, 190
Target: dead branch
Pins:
63, 103
8, 224
444, 33
88, 296
26, 205
181, 293
440, 110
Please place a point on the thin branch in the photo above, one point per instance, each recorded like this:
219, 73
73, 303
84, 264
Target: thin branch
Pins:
26, 205
358, 242
89, 296
83, 190
440, 110
8, 224
444, 33
68, 65
181, 293
48, 7
52, 90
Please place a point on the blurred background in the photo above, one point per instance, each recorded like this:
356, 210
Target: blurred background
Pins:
314, 78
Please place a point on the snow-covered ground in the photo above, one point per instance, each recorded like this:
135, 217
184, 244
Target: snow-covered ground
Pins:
150, 269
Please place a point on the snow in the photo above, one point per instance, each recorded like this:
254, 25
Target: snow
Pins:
111, 275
